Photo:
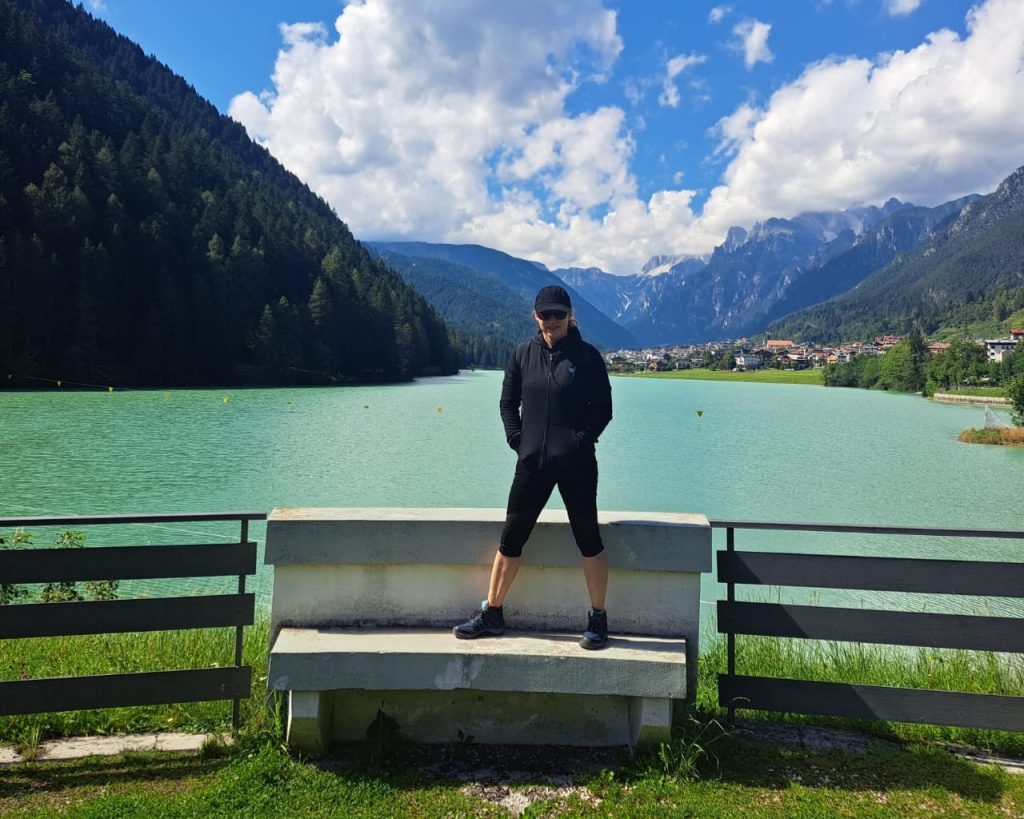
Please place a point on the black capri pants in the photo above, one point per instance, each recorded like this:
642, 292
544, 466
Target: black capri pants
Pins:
577, 484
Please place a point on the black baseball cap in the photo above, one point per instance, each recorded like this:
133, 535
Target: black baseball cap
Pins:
552, 297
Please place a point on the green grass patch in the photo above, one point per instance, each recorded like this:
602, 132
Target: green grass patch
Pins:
126, 653
733, 778
706, 771
766, 376
940, 669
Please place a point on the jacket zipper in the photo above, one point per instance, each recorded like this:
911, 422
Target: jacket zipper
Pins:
547, 413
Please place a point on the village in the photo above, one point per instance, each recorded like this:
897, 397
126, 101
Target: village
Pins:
746, 354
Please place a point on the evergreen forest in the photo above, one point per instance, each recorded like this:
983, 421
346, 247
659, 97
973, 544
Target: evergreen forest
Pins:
145, 239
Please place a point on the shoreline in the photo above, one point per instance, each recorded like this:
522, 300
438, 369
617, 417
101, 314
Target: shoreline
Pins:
810, 377
979, 400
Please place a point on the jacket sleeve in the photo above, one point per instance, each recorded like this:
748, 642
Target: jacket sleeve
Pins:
599, 401
511, 399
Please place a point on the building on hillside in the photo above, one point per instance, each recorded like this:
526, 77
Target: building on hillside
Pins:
887, 342
937, 347
777, 345
999, 348
1017, 334
748, 361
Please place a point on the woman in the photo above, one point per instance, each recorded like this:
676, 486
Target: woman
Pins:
555, 401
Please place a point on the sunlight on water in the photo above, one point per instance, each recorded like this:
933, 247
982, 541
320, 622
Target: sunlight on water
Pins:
727, 450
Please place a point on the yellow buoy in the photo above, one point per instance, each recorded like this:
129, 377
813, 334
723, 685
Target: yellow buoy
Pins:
700, 413
110, 389
440, 409
226, 399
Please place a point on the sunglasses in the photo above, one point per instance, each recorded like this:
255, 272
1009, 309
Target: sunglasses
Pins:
558, 315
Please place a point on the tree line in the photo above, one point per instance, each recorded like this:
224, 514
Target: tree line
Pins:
910, 367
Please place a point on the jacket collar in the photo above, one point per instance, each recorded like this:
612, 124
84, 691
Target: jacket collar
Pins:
569, 339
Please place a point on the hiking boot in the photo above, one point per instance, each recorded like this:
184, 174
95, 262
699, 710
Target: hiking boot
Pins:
488, 622
596, 635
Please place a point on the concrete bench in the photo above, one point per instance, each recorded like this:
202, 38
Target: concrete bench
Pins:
364, 601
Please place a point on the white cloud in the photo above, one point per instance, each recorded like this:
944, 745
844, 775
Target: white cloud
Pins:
717, 13
898, 8
98, 6
752, 40
925, 125
447, 120
669, 90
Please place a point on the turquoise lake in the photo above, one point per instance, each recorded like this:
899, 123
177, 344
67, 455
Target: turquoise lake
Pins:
756, 451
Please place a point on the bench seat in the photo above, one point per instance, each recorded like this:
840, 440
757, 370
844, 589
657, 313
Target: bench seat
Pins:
339, 677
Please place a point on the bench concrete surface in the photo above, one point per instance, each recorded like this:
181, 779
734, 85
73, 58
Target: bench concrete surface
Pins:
364, 601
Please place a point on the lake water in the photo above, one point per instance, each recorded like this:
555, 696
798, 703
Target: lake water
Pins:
755, 451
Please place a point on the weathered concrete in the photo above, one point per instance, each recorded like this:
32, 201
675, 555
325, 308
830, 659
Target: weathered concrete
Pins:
982, 400
349, 584
665, 542
551, 663
67, 748
490, 717
309, 719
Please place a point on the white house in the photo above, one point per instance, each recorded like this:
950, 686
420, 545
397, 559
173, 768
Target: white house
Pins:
998, 348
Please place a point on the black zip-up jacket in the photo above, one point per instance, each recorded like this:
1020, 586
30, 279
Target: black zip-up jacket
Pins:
555, 402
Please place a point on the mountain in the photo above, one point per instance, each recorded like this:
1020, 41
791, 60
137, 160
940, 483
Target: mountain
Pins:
627, 299
749, 274
487, 318
145, 239
974, 256
872, 250
612, 295
522, 277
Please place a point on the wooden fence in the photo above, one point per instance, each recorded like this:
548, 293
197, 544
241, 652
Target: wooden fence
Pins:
53, 619
952, 577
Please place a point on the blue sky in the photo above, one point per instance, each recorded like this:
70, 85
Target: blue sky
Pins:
581, 132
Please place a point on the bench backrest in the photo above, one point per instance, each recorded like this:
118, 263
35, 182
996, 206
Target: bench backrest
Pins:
430, 568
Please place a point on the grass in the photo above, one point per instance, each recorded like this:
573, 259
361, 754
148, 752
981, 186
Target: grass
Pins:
705, 771
946, 670
797, 659
124, 653
767, 376
1000, 437
735, 778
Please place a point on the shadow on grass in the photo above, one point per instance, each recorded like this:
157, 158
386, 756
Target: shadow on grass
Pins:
36, 777
916, 768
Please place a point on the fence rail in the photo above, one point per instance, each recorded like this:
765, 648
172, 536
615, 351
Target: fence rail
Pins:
946, 577
53, 619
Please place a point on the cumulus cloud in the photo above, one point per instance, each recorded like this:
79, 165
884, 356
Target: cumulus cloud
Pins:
98, 6
925, 125
752, 41
898, 8
717, 13
677, 65
447, 120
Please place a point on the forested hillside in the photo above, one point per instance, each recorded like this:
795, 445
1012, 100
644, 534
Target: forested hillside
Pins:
145, 239
487, 319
